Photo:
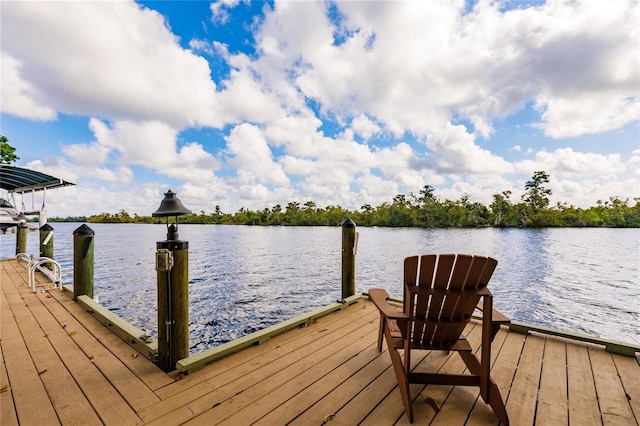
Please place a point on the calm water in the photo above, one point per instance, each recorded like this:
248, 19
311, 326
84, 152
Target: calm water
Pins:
244, 278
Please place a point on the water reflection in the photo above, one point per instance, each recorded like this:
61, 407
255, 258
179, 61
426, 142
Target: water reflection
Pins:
246, 278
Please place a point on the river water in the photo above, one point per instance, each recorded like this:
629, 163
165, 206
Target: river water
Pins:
242, 278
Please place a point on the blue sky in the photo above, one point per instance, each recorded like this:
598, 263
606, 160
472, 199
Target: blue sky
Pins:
252, 104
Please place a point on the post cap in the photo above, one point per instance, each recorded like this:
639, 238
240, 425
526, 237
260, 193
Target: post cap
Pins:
46, 227
83, 230
348, 223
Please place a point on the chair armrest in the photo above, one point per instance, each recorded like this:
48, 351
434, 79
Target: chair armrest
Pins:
496, 316
379, 297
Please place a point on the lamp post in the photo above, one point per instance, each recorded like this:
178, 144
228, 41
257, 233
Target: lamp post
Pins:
172, 266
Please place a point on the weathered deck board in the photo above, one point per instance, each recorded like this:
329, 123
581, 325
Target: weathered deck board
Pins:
58, 364
522, 399
8, 415
55, 377
552, 401
628, 371
153, 377
581, 387
101, 395
128, 385
268, 370
27, 388
614, 405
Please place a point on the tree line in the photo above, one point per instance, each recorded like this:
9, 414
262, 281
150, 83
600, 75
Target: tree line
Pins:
424, 210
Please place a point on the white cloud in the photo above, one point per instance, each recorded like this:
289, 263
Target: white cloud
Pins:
293, 113
634, 164
364, 127
411, 64
204, 46
587, 113
565, 161
219, 10
244, 99
91, 154
18, 96
120, 175
107, 59
456, 152
252, 157
586, 192
148, 144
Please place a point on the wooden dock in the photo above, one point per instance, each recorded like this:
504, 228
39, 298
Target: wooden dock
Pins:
61, 366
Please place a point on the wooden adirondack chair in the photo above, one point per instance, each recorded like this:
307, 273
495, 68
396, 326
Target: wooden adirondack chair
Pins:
440, 295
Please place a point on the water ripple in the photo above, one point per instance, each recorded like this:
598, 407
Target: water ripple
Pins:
243, 279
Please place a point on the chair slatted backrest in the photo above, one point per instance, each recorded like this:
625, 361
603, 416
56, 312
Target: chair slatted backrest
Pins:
439, 319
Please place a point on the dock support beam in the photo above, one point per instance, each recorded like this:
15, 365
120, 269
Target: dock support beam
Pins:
83, 262
348, 258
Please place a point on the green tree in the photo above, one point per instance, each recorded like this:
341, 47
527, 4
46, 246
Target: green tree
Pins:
536, 195
501, 207
428, 205
7, 152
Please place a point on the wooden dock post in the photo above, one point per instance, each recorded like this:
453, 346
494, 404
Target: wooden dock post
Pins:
21, 238
46, 241
348, 258
172, 266
83, 262
173, 304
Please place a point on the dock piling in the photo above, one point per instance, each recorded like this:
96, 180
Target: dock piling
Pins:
348, 258
83, 262
46, 241
173, 302
21, 238
172, 266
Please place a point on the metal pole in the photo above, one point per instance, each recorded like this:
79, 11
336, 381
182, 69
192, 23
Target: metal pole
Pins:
348, 258
83, 262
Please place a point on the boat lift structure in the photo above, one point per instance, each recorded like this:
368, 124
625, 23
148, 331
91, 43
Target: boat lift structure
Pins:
20, 180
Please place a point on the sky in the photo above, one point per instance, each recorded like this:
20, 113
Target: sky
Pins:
237, 104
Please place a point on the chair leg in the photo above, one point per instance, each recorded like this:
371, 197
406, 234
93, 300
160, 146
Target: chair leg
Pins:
401, 375
494, 399
403, 385
496, 403
383, 322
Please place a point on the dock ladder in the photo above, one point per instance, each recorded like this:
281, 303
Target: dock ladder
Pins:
39, 264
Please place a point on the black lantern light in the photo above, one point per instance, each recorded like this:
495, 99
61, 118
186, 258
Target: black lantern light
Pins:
171, 206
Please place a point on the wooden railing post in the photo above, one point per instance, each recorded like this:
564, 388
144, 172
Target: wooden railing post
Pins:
83, 262
348, 258
46, 241
172, 266
21, 238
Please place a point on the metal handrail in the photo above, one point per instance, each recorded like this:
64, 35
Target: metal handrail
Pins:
24, 257
55, 275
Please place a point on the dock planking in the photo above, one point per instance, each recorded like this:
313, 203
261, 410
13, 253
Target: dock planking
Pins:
59, 365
